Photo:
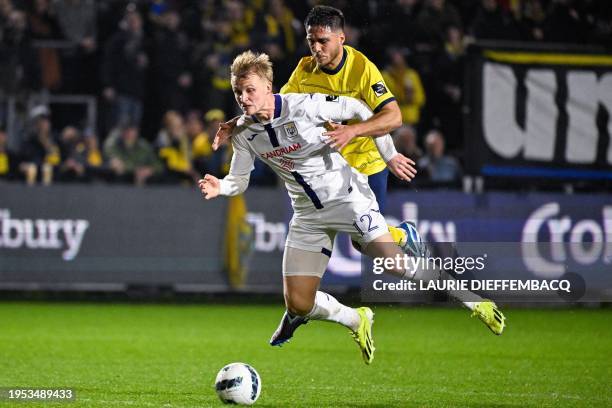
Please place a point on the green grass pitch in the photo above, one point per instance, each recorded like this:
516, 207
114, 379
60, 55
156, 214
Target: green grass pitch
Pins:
125, 355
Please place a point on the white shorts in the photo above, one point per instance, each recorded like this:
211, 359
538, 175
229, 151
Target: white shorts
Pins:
357, 214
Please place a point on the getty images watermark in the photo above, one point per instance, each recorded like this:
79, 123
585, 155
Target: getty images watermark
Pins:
506, 271
419, 273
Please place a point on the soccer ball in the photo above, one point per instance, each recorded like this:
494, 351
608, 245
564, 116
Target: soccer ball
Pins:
238, 383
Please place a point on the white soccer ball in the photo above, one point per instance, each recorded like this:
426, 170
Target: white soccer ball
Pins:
238, 383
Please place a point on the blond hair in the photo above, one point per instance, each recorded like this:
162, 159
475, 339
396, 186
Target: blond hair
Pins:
250, 63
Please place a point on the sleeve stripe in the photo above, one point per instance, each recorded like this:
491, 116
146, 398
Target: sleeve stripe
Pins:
380, 106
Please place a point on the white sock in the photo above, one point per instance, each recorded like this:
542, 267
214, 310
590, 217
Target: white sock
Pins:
327, 308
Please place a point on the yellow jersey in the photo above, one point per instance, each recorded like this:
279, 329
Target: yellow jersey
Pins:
200, 146
355, 76
406, 84
4, 164
177, 156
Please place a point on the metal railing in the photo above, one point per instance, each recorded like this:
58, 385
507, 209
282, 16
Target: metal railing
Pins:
16, 122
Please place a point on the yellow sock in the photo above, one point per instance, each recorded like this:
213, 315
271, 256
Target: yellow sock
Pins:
398, 234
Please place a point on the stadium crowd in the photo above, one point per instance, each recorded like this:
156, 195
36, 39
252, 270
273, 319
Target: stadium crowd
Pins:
160, 72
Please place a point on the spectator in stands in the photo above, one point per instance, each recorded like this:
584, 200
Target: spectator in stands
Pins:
40, 153
156, 10
405, 139
69, 138
434, 16
227, 32
405, 83
124, 68
43, 21
447, 89
212, 119
282, 27
353, 35
172, 121
44, 26
200, 143
215, 90
401, 28
192, 43
174, 150
6, 7
202, 49
8, 159
92, 154
439, 168
77, 20
598, 15
82, 159
531, 20
20, 67
132, 159
219, 162
494, 23
565, 22
170, 65
91, 157
241, 19
278, 31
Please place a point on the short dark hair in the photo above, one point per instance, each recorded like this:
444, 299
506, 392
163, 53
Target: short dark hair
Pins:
325, 16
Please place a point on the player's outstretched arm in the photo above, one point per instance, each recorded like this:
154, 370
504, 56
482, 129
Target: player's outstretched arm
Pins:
210, 186
230, 185
386, 120
340, 135
237, 181
224, 132
379, 124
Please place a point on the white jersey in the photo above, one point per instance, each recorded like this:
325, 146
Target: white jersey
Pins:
292, 144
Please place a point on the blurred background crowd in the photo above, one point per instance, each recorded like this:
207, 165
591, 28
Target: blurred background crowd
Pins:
157, 72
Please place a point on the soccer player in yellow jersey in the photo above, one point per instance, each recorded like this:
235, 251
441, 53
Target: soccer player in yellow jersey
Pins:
337, 69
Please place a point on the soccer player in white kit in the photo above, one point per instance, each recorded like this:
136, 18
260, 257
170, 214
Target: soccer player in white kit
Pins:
327, 194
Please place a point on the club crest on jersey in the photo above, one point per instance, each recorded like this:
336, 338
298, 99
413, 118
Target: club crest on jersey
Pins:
331, 98
379, 88
291, 129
